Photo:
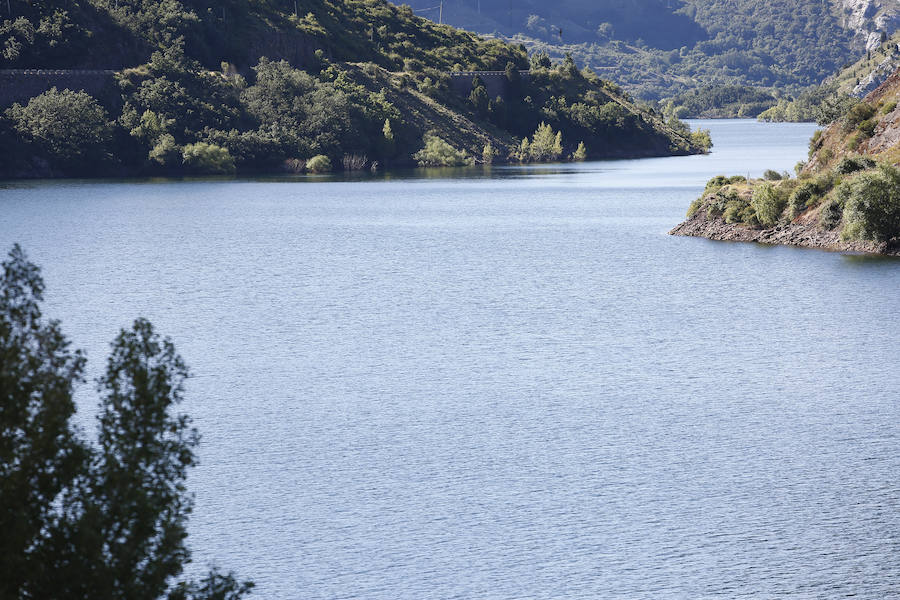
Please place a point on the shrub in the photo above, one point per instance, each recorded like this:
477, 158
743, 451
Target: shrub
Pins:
832, 212
68, 129
580, 153
855, 140
768, 204
889, 107
702, 140
801, 198
851, 164
438, 153
867, 127
734, 211
318, 164
694, 207
856, 115
872, 208
487, 154
545, 144
771, 175
208, 159
715, 183
166, 152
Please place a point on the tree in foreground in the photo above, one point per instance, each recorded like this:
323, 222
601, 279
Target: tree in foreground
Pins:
83, 520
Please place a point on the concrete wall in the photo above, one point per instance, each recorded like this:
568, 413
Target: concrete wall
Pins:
19, 85
495, 82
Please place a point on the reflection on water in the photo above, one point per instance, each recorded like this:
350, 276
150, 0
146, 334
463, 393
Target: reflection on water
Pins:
505, 382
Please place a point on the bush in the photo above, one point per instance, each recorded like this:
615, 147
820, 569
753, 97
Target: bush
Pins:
832, 213
801, 198
768, 204
772, 175
857, 115
319, 164
545, 144
702, 140
867, 127
487, 154
872, 209
580, 153
694, 207
851, 164
68, 129
166, 152
207, 159
438, 153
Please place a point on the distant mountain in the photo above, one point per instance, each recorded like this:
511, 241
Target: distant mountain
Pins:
661, 48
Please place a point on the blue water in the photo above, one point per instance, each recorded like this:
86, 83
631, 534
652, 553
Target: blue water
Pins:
503, 384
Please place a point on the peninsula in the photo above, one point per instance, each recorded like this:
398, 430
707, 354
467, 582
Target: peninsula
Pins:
845, 197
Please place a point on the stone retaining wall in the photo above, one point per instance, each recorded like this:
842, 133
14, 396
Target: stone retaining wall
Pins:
19, 85
495, 81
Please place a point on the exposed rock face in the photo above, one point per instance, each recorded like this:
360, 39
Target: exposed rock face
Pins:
804, 231
867, 19
878, 76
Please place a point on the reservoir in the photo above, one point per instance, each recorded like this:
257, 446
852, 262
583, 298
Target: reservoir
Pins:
502, 383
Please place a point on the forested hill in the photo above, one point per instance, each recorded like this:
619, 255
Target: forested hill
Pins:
662, 48
105, 34
846, 196
315, 85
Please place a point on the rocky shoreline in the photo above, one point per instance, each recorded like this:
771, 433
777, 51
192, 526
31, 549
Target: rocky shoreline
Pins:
803, 232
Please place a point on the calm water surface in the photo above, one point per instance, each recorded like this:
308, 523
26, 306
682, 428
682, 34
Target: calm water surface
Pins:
503, 384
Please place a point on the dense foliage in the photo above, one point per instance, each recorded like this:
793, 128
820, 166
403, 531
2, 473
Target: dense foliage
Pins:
174, 116
859, 196
660, 49
833, 98
244, 85
92, 520
123, 33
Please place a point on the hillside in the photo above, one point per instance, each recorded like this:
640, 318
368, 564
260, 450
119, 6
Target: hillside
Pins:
660, 49
845, 197
821, 102
350, 84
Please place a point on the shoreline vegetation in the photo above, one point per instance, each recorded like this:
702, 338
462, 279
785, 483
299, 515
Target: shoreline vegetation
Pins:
358, 84
845, 197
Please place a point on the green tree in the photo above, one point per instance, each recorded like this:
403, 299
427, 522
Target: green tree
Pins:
872, 209
319, 164
40, 453
388, 143
768, 204
546, 143
580, 154
69, 129
487, 154
208, 159
478, 97
105, 520
439, 153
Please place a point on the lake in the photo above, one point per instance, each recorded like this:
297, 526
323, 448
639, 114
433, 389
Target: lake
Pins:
502, 383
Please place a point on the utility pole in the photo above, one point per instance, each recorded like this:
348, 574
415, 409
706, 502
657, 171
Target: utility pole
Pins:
440, 13
295, 9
